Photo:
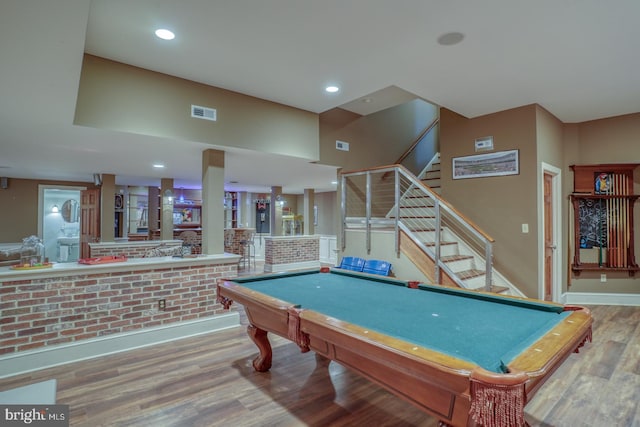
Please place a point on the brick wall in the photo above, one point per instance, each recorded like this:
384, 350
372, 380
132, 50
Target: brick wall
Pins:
135, 250
233, 238
291, 250
49, 311
178, 234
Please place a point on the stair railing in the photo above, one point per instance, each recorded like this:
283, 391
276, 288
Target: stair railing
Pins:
391, 197
420, 143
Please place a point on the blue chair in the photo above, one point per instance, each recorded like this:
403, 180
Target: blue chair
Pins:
374, 266
352, 263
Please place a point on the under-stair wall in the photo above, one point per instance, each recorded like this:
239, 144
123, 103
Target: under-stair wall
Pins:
402, 266
414, 212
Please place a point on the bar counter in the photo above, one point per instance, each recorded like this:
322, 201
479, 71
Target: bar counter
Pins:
73, 311
131, 264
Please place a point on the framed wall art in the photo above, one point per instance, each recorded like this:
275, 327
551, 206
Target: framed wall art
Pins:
500, 163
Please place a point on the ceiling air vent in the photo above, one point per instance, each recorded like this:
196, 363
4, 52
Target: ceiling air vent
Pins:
203, 113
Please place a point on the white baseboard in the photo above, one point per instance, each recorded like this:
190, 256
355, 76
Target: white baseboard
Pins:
47, 357
276, 268
592, 298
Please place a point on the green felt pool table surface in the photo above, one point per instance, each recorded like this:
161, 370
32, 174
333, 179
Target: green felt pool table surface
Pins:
484, 329
457, 354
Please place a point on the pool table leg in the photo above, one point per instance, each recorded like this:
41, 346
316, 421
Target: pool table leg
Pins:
262, 362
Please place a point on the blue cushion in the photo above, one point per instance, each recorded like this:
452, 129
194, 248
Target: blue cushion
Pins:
374, 266
352, 263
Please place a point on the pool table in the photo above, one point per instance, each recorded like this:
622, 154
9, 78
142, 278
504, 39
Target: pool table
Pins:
466, 357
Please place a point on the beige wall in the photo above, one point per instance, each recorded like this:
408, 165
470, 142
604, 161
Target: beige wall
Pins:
327, 207
498, 205
374, 140
549, 138
610, 140
549, 135
19, 202
120, 97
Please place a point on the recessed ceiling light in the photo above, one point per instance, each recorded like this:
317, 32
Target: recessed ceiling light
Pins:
158, 165
334, 182
165, 34
332, 89
449, 39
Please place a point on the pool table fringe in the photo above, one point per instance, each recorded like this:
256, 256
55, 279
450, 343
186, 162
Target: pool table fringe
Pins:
498, 401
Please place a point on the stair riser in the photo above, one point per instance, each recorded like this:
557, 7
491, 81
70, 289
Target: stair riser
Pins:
446, 250
461, 265
476, 282
432, 182
420, 212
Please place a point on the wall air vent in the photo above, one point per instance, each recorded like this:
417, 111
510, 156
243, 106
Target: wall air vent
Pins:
203, 113
341, 145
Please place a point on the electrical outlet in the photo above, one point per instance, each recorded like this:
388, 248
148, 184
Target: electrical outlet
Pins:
603, 278
162, 304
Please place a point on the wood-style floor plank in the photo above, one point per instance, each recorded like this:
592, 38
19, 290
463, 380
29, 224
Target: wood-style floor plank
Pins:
209, 381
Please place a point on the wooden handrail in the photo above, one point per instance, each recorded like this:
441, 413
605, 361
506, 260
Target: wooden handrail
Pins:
418, 139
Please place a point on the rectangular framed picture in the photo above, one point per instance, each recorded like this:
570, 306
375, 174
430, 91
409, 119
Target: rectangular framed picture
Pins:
500, 163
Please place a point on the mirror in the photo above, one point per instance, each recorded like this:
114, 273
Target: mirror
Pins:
70, 211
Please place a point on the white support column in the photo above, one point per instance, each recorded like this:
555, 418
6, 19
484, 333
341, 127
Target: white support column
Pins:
212, 202
309, 212
166, 216
107, 207
276, 211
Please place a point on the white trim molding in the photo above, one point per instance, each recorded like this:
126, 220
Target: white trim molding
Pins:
47, 357
593, 298
277, 268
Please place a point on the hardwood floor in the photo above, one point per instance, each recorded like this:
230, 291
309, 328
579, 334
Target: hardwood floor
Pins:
209, 381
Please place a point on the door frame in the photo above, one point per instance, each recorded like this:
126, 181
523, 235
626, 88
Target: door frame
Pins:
41, 189
556, 185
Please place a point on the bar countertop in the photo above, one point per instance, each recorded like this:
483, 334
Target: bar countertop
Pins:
131, 264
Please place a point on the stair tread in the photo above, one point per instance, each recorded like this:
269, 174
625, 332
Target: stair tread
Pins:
420, 196
415, 217
470, 274
451, 258
442, 243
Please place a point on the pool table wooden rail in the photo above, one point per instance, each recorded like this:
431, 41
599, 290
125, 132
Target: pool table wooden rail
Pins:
435, 382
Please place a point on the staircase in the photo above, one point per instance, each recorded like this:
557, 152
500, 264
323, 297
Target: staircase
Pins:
430, 176
461, 251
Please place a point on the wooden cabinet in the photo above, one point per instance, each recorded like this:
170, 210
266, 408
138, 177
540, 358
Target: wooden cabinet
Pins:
603, 208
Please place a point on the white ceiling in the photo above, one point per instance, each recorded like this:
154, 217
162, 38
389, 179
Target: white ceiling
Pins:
577, 58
